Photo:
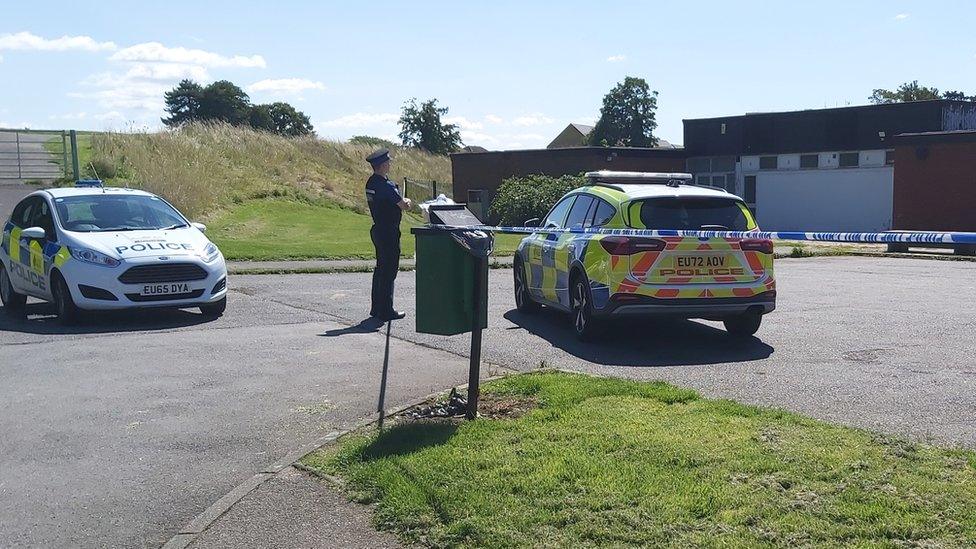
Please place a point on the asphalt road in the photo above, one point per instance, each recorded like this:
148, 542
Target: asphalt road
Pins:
119, 433
10, 195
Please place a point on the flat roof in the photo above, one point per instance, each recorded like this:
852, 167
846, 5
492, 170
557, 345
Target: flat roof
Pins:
952, 136
566, 150
832, 109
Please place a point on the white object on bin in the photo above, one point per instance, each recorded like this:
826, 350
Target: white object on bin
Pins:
440, 200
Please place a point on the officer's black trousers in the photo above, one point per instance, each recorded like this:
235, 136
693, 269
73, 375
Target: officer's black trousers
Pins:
387, 244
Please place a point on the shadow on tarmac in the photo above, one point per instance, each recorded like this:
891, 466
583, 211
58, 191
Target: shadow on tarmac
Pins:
40, 319
366, 326
641, 342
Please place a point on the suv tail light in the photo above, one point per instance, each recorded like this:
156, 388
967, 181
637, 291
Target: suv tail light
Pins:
761, 245
625, 245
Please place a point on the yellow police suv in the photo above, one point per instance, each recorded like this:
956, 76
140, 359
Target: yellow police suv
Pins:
596, 275
93, 247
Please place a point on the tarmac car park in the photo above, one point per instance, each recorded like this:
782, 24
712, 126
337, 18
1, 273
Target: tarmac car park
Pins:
97, 248
594, 276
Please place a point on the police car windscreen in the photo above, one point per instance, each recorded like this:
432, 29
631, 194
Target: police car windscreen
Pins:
692, 214
93, 213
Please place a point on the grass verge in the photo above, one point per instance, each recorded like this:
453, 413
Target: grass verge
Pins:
604, 462
291, 229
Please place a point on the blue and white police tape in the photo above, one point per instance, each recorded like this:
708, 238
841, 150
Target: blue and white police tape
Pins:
878, 238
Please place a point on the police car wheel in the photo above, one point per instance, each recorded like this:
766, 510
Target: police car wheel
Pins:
215, 309
13, 303
68, 312
743, 325
523, 300
581, 307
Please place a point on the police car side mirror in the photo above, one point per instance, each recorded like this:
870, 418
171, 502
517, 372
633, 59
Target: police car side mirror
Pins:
33, 233
200, 227
534, 222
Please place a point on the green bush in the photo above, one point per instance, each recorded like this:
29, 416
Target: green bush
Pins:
101, 169
521, 198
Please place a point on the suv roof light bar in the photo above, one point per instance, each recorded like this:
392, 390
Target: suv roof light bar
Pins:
611, 178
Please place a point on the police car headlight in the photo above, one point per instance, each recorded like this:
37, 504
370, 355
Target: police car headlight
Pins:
91, 256
210, 253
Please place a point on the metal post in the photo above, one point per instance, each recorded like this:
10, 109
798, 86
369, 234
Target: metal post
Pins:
381, 407
74, 155
64, 153
20, 174
433, 193
474, 368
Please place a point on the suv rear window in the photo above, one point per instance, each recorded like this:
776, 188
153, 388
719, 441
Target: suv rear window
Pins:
691, 214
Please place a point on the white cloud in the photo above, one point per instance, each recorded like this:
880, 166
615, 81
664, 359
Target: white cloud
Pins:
901, 17
463, 122
140, 87
361, 120
156, 52
616, 58
1, 59
112, 115
287, 86
28, 41
493, 119
167, 72
535, 119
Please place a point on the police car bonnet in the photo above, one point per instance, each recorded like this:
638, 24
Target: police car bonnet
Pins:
150, 243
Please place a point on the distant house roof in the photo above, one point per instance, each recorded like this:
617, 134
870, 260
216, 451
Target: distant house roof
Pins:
574, 135
473, 149
582, 128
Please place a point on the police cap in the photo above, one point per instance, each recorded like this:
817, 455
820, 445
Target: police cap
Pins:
378, 156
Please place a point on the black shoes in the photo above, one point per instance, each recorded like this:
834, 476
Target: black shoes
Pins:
392, 315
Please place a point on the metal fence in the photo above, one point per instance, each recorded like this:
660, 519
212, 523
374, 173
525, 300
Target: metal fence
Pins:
42, 155
420, 190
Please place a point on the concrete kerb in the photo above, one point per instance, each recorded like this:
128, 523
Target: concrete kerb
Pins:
189, 533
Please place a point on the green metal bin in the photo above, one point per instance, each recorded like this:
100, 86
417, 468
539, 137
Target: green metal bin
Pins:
446, 282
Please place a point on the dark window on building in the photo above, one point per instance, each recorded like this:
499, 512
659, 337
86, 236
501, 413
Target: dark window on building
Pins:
750, 191
718, 181
889, 157
577, 215
604, 213
849, 160
723, 164
699, 165
475, 196
767, 162
809, 160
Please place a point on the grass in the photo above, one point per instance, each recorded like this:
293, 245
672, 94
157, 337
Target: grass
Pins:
290, 229
208, 168
84, 142
605, 462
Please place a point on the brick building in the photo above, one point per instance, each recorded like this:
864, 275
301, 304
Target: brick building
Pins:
935, 181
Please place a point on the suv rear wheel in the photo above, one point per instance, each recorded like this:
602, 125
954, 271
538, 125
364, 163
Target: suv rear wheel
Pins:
581, 307
523, 299
743, 325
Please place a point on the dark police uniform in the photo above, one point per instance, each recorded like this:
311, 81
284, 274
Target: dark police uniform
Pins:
383, 198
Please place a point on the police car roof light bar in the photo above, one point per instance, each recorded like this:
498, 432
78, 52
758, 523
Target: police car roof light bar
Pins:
88, 183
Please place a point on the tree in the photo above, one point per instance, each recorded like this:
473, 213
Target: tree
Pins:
421, 127
183, 103
911, 91
223, 100
226, 102
259, 118
628, 116
286, 120
370, 141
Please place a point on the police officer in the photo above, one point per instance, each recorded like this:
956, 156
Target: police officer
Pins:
386, 206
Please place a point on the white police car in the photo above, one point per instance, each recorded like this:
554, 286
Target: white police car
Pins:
93, 247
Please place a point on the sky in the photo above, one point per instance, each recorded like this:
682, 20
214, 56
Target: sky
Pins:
512, 73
